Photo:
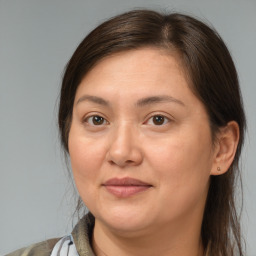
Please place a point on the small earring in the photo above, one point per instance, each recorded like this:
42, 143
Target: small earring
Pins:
218, 169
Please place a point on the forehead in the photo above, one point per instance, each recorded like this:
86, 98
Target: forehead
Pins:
143, 57
140, 67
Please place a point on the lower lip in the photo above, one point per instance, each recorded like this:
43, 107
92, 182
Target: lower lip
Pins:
126, 191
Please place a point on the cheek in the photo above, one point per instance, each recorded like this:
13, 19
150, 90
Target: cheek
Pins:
181, 155
86, 158
183, 163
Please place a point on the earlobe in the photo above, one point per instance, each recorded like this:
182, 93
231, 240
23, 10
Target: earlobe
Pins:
227, 141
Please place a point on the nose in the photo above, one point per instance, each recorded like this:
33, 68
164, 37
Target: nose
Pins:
124, 147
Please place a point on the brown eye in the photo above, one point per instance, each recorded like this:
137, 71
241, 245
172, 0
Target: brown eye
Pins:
158, 120
96, 120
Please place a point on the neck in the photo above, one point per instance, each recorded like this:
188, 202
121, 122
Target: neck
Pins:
161, 241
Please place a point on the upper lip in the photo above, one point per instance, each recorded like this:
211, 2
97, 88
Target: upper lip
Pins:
127, 181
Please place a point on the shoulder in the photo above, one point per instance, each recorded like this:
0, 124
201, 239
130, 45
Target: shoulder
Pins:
39, 249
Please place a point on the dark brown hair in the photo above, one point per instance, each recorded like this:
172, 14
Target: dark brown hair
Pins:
213, 79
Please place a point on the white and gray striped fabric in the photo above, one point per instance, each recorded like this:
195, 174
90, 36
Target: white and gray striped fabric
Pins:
65, 247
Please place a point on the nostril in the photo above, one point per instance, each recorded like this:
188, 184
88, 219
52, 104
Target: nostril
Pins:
112, 162
127, 162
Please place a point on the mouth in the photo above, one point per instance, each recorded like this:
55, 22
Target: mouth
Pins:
126, 187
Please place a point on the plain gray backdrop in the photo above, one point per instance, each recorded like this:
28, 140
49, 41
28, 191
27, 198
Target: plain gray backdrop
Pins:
37, 37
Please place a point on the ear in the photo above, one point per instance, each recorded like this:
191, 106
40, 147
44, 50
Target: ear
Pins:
225, 148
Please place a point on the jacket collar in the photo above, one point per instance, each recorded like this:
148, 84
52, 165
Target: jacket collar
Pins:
82, 235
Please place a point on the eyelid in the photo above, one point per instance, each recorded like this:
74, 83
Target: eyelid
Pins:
91, 115
152, 115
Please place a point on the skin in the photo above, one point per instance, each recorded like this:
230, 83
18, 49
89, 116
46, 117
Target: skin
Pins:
175, 157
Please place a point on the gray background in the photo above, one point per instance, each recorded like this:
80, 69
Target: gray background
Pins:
36, 40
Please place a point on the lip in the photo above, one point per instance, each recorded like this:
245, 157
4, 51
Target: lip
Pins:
126, 187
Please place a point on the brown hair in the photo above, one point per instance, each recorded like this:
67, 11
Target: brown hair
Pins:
214, 81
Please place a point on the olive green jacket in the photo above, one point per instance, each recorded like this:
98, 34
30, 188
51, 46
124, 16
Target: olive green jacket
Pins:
82, 234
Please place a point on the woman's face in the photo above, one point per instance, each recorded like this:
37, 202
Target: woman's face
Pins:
140, 143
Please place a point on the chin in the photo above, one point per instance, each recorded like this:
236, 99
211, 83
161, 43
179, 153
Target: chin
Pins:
125, 221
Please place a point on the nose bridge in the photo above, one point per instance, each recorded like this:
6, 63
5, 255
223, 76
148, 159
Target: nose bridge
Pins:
123, 134
124, 147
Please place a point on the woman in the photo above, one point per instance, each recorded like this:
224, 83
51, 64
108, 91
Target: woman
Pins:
152, 119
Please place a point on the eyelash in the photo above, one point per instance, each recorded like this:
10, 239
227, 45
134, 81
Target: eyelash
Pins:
163, 120
162, 117
90, 120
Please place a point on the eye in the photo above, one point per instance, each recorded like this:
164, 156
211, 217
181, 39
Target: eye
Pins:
158, 120
96, 120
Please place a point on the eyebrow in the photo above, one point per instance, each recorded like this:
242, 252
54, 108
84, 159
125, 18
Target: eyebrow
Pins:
140, 103
93, 99
157, 99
